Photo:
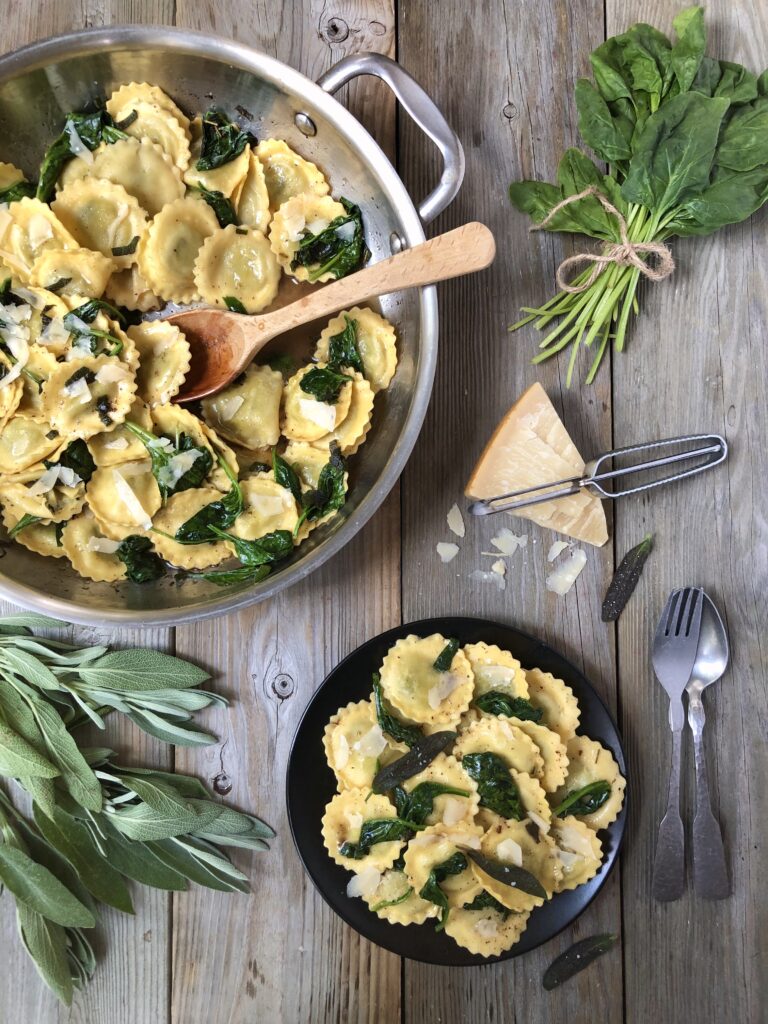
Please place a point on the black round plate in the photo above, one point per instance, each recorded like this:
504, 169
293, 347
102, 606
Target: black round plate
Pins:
310, 785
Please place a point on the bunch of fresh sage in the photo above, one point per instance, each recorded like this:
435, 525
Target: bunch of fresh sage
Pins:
92, 822
685, 138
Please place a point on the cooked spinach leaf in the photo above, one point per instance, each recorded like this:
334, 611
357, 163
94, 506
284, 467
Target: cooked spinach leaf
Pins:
235, 305
585, 800
270, 548
389, 723
496, 702
162, 451
88, 311
104, 409
625, 579
422, 753
444, 660
377, 830
324, 384
126, 250
431, 890
343, 350
222, 140
339, 250
84, 373
383, 904
221, 513
417, 805
509, 874
330, 493
142, 564
221, 206
26, 520
226, 577
77, 457
19, 190
283, 364
286, 476
580, 955
495, 785
484, 901
78, 322
92, 129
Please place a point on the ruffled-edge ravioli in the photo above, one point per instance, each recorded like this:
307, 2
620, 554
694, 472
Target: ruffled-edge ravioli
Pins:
306, 419
350, 433
164, 360
302, 213
495, 669
42, 363
112, 447
237, 263
172, 421
177, 510
376, 342
25, 441
105, 492
579, 850
355, 746
448, 809
485, 932
498, 736
10, 396
529, 849
217, 477
130, 288
9, 175
54, 506
157, 124
167, 252
141, 167
267, 506
27, 229
589, 761
85, 272
390, 888
102, 216
553, 752
127, 96
110, 393
248, 411
252, 197
556, 700
100, 566
342, 821
42, 538
227, 178
435, 845
412, 684
287, 174
306, 460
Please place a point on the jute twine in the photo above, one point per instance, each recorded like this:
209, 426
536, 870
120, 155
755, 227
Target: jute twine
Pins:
624, 253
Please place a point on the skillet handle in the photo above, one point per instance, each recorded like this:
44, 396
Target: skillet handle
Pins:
421, 109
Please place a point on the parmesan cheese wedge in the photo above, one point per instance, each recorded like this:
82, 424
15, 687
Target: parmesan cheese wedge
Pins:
531, 447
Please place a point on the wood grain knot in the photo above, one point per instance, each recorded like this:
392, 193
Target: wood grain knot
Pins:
283, 687
335, 30
510, 111
377, 29
222, 784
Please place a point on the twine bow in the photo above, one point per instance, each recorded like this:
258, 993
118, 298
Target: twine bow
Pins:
624, 253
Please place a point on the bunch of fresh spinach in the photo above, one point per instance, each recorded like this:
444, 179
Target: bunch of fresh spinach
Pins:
94, 823
685, 138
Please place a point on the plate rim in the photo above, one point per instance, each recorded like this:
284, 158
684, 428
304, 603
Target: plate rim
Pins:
476, 959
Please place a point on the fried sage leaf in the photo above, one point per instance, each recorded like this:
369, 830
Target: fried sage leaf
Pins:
623, 584
509, 874
416, 760
580, 955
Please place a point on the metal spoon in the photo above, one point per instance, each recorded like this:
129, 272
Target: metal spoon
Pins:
710, 874
224, 343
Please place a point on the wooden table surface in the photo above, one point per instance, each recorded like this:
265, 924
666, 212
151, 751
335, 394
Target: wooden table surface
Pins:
697, 361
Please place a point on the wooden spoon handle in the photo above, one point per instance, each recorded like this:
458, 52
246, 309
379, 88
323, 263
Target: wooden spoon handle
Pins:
457, 252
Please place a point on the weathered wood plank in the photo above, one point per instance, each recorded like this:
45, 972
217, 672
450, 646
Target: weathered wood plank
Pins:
696, 362
281, 954
504, 75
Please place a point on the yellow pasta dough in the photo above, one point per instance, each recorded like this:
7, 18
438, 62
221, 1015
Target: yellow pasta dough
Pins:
495, 670
83, 396
160, 126
375, 339
556, 700
129, 288
39, 366
177, 510
434, 846
248, 411
89, 550
119, 512
167, 252
42, 538
27, 228
344, 817
589, 761
553, 752
124, 100
164, 360
579, 851
267, 506
111, 447
498, 736
101, 215
307, 419
227, 179
511, 842
386, 900
485, 932
298, 216
355, 746
59, 502
10, 396
350, 433
448, 808
84, 272
252, 198
9, 175
287, 174
237, 263
415, 688
25, 441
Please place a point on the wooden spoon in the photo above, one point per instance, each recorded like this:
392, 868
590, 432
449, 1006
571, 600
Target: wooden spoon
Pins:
223, 343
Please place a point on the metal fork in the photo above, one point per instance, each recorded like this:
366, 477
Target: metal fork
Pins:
674, 652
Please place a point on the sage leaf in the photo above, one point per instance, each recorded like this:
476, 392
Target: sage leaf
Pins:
76, 774
416, 760
142, 822
138, 862
625, 579
137, 670
509, 874
30, 668
46, 944
30, 620
170, 731
184, 785
19, 758
40, 891
180, 857
580, 955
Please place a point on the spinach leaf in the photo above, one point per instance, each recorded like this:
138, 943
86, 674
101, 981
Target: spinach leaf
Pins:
484, 901
221, 206
444, 660
575, 173
417, 805
737, 84
282, 363
324, 384
142, 564
270, 548
377, 830
690, 46
496, 702
730, 198
339, 249
227, 577
576, 958
389, 723
88, 337
596, 125
625, 579
343, 350
19, 190
743, 143
77, 457
222, 140
89, 310
286, 476
509, 874
26, 520
431, 890
330, 493
221, 513
537, 198
382, 904
585, 800
84, 373
495, 785
611, 76
126, 250
707, 77
92, 129
422, 753
234, 305
162, 451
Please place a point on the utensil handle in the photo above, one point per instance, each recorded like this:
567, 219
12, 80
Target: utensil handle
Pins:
710, 872
669, 864
461, 251
423, 111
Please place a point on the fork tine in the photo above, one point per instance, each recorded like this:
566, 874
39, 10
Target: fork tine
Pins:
683, 613
667, 616
697, 606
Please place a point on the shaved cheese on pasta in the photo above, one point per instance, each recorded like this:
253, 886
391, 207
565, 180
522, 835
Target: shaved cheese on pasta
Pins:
341, 759
371, 743
79, 389
355, 820
440, 691
568, 859
39, 230
510, 851
126, 495
54, 333
570, 838
118, 444
68, 476
537, 820
113, 373
454, 810
487, 927
103, 545
228, 408
364, 883
35, 301
46, 482
177, 466
76, 145
322, 414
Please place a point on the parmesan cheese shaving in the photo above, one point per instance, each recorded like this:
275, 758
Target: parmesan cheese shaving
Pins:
39, 231
455, 521
496, 675
68, 477
500, 569
176, 467
102, 545
487, 927
570, 838
319, 224
371, 743
365, 883
355, 820
562, 579
78, 390
126, 495
76, 145
556, 549
118, 444
267, 504
321, 413
46, 482
447, 552
346, 232
508, 542
453, 810
469, 842
511, 852
539, 822
568, 859
112, 373
442, 690
24, 293
54, 333
228, 408
341, 753
488, 577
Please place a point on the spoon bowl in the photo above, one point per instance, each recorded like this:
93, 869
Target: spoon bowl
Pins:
712, 654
